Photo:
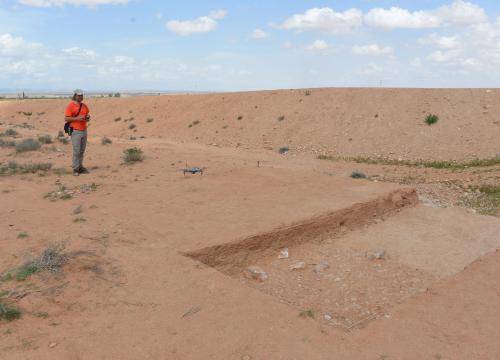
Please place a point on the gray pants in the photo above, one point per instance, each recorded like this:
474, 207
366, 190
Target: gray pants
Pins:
79, 140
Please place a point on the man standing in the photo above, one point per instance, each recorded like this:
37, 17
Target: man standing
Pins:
77, 115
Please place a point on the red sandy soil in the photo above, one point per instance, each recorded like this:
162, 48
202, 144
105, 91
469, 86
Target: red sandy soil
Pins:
128, 290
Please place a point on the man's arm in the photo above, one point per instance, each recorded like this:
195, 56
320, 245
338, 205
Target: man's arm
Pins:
76, 118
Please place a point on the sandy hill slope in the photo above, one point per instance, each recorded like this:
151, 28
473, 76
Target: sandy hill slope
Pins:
340, 122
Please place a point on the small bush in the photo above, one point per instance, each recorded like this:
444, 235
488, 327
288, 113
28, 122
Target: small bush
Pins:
22, 235
10, 132
60, 134
240, 117
7, 143
307, 313
106, 141
283, 150
28, 145
118, 119
45, 139
431, 119
307, 93
9, 313
281, 118
133, 155
52, 259
150, 120
132, 126
27, 113
64, 141
358, 175
117, 95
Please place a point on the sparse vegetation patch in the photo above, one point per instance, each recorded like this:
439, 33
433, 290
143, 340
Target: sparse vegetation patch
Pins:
62, 193
9, 313
10, 133
52, 259
28, 145
12, 168
435, 164
485, 200
133, 155
7, 143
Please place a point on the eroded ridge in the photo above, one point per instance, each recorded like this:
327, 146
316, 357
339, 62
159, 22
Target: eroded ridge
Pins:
232, 258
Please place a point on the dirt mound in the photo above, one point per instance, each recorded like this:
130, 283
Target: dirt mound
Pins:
385, 123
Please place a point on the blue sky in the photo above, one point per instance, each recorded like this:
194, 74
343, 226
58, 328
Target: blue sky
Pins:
248, 45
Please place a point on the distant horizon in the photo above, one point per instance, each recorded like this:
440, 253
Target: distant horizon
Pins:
67, 92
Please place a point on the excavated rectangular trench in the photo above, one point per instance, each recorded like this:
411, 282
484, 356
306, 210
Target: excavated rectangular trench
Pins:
340, 287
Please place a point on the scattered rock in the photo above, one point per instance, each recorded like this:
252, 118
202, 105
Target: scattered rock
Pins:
376, 254
321, 266
283, 254
256, 273
52, 345
298, 266
328, 317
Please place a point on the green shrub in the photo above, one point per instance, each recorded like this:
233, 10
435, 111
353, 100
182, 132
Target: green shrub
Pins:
133, 155
431, 119
281, 118
132, 126
9, 313
28, 145
150, 120
283, 150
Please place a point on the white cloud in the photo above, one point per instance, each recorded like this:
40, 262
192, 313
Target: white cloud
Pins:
80, 53
373, 49
60, 3
318, 45
217, 14
458, 13
259, 34
324, 20
444, 56
441, 42
11, 46
200, 25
